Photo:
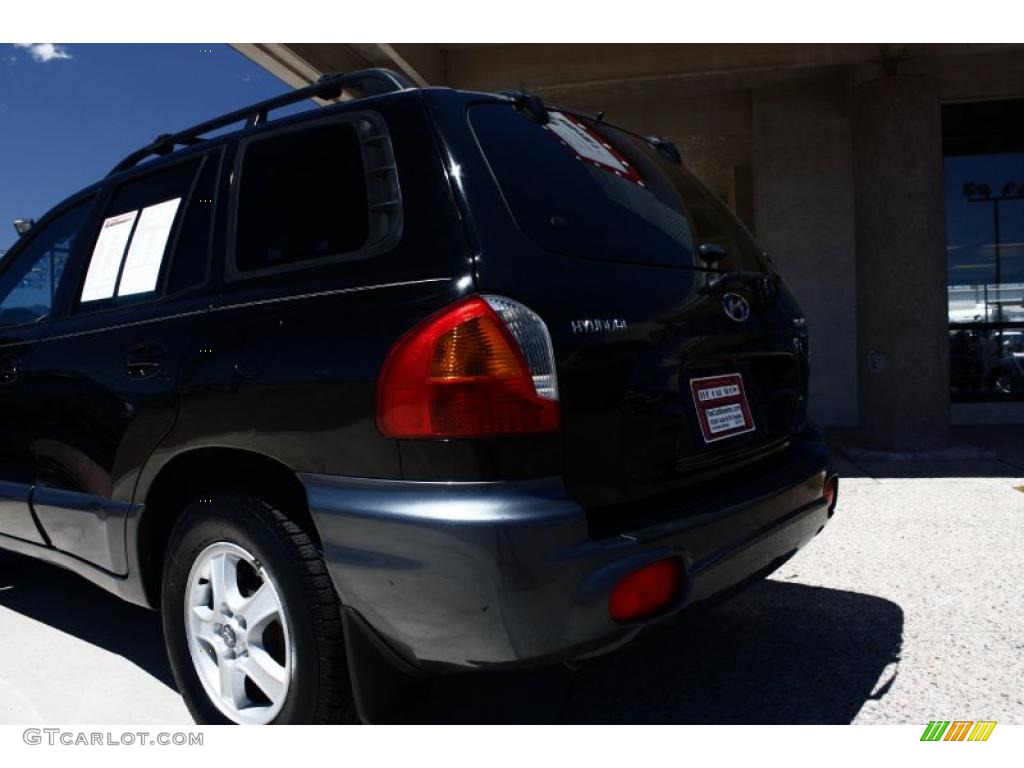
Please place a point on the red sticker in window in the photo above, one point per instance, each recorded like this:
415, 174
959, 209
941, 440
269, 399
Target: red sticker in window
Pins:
590, 147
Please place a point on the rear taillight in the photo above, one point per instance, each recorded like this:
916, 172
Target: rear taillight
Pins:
483, 367
831, 492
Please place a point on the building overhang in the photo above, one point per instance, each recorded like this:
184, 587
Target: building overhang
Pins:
592, 72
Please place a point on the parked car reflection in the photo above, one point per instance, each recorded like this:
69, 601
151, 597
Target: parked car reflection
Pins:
986, 361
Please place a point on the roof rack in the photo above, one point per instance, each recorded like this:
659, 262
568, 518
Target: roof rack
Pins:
370, 82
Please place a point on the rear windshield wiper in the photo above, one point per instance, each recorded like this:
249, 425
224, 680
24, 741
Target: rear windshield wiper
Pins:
725, 279
534, 108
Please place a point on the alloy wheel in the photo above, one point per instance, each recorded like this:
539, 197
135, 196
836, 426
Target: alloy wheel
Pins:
238, 634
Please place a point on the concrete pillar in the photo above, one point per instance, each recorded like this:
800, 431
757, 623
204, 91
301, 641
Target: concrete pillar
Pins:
743, 195
902, 341
803, 210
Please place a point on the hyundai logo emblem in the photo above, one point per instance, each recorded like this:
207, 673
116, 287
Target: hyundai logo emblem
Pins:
736, 307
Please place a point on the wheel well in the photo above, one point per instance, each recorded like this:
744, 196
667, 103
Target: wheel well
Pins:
203, 470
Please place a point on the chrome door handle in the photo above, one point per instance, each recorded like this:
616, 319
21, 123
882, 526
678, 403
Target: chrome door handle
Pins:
10, 370
143, 360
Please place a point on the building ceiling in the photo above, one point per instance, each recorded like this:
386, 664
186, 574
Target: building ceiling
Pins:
549, 68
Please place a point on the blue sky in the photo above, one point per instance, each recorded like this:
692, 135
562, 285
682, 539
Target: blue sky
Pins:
69, 113
969, 226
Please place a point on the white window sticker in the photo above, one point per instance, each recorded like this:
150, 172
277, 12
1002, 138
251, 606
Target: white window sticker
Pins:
105, 262
725, 417
146, 253
583, 142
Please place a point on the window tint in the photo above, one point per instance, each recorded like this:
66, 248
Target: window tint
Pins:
128, 256
588, 190
716, 227
302, 196
192, 248
30, 283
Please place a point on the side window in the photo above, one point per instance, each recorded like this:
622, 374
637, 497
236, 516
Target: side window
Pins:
190, 260
327, 192
29, 284
128, 257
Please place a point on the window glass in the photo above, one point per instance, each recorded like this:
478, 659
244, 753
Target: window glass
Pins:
586, 189
984, 190
302, 197
128, 257
189, 263
28, 286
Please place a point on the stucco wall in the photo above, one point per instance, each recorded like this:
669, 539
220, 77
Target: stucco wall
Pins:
803, 212
903, 344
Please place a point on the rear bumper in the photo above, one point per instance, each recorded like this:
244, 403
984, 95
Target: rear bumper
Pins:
479, 575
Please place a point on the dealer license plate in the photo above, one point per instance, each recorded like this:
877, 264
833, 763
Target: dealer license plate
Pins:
722, 407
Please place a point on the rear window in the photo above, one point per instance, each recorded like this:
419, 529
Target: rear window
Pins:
595, 192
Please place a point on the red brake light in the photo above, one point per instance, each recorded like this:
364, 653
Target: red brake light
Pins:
463, 373
645, 591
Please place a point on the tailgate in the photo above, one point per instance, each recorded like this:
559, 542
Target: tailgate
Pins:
672, 371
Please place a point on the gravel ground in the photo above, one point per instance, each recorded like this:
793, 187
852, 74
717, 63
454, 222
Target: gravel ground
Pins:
907, 608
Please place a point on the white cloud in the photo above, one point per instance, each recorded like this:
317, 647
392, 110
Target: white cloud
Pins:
45, 51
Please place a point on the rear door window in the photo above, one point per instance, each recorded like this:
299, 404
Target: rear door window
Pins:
190, 261
128, 260
585, 189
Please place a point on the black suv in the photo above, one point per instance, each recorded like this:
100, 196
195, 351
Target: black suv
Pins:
420, 381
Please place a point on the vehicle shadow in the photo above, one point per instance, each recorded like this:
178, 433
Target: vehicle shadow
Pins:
778, 653
69, 603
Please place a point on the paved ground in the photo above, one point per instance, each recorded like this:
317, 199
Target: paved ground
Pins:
909, 607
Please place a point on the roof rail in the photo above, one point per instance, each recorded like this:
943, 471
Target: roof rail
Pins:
370, 82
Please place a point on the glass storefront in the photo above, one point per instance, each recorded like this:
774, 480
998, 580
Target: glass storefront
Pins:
984, 191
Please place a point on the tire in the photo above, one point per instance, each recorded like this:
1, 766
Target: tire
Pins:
283, 664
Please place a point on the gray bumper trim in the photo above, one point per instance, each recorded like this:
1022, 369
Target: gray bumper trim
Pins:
470, 575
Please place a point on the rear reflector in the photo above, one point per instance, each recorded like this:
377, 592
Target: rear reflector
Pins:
831, 492
646, 591
483, 367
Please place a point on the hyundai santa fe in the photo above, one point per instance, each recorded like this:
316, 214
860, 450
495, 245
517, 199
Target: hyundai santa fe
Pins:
417, 382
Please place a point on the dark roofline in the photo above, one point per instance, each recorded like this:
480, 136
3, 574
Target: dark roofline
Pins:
365, 82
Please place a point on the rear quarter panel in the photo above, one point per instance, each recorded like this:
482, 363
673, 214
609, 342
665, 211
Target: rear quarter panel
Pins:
286, 364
